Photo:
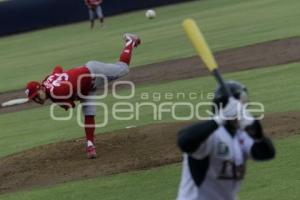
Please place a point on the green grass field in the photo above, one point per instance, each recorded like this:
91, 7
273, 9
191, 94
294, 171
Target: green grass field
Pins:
34, 127
226, 24
274, 180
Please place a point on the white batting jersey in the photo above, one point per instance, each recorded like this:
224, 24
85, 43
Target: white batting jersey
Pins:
215, 170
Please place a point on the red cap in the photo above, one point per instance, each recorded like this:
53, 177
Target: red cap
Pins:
32, 88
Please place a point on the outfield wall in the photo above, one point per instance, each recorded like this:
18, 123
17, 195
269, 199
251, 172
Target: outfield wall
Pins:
25, 15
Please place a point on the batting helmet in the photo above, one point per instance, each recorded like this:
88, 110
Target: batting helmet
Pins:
238, 90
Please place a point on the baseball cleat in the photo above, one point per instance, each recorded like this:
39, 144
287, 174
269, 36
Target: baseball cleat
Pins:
91, 150
129, 37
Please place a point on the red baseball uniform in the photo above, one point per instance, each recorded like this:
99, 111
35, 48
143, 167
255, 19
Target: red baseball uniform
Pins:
65, 86
93, 3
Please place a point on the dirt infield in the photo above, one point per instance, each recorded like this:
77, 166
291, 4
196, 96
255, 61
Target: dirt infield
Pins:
125, 150
254, 56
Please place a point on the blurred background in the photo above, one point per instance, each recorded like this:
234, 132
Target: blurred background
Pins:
24, 15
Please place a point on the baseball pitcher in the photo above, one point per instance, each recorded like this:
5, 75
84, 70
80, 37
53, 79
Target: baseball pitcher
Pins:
215, 152
80, 84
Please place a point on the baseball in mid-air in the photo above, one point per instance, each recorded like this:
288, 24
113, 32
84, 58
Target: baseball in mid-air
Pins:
150, 14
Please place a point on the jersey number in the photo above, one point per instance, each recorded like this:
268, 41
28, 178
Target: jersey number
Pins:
55, 80
59, 79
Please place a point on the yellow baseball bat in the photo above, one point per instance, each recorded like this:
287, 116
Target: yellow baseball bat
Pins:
197, 39
203, 50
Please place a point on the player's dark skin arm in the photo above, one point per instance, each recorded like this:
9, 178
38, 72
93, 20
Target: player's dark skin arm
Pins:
263, 148
190, 138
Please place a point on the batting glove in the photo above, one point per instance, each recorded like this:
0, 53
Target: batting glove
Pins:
229, 112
